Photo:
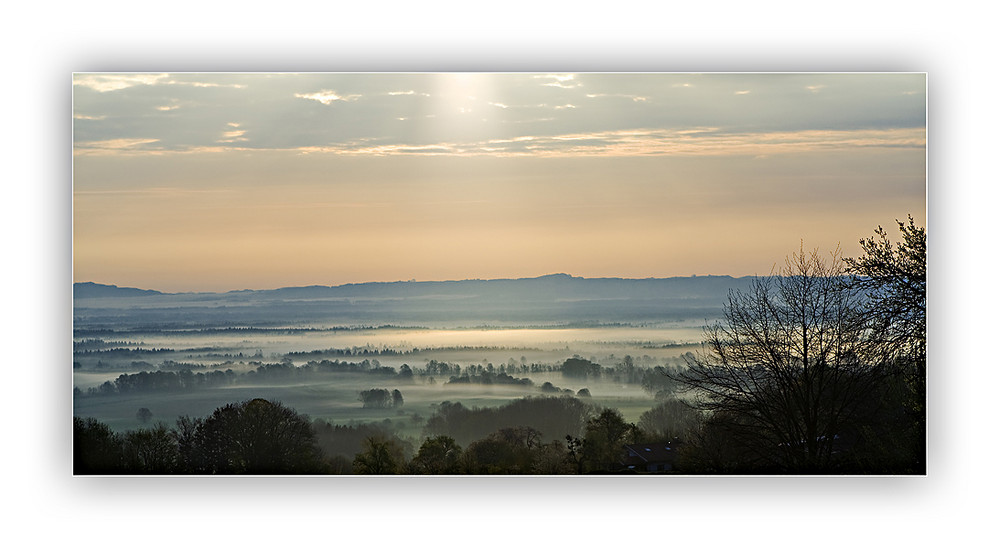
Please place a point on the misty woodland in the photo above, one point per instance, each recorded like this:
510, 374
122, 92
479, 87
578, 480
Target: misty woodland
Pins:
499, 274
818, 369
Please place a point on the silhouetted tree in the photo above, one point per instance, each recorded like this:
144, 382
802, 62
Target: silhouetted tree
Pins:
144, 415
510, 450
405, 373
660, 381
605, 438
791, 367
191, 453
437, 456
380, 456
671, 419
894, 278
710, 449
574, 452
376, 398
257, 437
150, 451
96, 448
577, 367
551, 459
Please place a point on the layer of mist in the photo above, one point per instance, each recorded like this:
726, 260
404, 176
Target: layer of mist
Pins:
478, 345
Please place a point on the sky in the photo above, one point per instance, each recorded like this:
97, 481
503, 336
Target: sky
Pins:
226, 181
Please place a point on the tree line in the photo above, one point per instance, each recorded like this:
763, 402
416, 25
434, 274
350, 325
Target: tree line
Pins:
173, 376
533, 435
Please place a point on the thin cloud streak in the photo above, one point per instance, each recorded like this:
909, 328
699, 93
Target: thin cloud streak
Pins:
112, 145
154, 191
114, 82
327, 97
641, 142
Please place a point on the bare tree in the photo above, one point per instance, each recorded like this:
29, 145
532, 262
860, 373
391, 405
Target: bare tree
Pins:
791, 367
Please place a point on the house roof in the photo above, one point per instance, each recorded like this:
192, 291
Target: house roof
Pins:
648, 453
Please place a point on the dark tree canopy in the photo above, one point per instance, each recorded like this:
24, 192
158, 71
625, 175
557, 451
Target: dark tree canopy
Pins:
150, 451
554, 417
605, 436
437, 456
508, 451
577, 367
380, 398
380, 456
895, 279
144, 415
671, 419
257, 437
96, 448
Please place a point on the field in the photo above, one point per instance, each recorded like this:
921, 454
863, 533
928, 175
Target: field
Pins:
533, 353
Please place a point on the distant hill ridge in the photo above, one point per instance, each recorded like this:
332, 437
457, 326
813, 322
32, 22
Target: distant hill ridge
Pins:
547, 282
549, 299
93, 289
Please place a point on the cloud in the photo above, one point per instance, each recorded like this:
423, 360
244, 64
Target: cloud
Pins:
191, 112
115, 145
363, 149
232, 136
408, 92
705, 141
114, 82
692, 141
154, 191
636, 98
560, 80
327, 97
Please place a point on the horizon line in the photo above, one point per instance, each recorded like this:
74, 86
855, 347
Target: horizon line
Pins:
410, 281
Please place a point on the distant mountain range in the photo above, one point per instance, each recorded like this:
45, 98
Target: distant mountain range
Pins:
560, 282
92, 289
546, 299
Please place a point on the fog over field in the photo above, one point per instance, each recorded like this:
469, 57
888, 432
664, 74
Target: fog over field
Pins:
524, 329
